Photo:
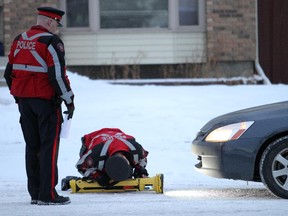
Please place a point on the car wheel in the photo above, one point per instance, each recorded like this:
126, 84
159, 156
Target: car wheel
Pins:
274, 167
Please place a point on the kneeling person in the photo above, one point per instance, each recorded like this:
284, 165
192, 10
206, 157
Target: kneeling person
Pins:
109, 156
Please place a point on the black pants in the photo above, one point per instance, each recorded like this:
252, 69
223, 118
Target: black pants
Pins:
41, 124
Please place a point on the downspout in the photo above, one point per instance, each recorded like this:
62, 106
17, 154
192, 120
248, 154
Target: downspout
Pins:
257, 64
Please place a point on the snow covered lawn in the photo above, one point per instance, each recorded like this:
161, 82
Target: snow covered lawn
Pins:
165, 120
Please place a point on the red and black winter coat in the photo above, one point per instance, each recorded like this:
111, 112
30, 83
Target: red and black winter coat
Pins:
99, 145
36, 66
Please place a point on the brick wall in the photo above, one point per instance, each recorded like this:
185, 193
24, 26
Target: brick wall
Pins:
19, 16
1, 21
231, 30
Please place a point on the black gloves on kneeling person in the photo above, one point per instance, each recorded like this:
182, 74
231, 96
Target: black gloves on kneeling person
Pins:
140, 172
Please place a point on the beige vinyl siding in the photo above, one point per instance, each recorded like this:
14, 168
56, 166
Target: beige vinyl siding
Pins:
136, 48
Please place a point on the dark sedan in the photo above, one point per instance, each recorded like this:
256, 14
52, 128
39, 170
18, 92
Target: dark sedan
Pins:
249, 144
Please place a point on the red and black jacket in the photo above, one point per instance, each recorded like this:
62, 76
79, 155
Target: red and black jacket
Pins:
36, 66
99, 145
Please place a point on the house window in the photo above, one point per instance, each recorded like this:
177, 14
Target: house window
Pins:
77, 13
188, 12
133, 14
97, 15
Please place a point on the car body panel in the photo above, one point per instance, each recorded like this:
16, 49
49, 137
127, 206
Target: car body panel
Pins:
236, 159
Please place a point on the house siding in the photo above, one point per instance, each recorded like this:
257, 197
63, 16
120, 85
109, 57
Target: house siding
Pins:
121, 49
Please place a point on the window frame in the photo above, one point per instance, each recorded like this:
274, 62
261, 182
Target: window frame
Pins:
173, 20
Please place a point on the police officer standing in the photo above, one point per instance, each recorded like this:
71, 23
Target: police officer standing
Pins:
36, 77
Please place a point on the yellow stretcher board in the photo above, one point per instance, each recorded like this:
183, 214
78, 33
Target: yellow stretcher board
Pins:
138, 184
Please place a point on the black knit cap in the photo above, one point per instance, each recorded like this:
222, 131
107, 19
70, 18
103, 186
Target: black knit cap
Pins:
117, 168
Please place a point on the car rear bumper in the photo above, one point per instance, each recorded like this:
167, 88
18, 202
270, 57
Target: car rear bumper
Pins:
231, 160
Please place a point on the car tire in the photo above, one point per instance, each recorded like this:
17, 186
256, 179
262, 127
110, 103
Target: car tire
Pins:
274, 167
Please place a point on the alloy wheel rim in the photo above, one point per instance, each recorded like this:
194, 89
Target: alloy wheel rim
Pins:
280, 169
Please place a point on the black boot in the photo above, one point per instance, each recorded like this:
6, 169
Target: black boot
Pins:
65, 183
59, 200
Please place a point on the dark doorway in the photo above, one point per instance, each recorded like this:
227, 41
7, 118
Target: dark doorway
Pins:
273, 39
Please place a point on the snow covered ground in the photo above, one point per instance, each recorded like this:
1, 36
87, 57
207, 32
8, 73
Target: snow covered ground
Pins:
165, 120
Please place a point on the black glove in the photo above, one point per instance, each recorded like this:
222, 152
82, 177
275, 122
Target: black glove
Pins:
139, 172
70, 110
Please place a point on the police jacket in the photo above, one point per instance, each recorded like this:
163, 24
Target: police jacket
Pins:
99, 145
36, 66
